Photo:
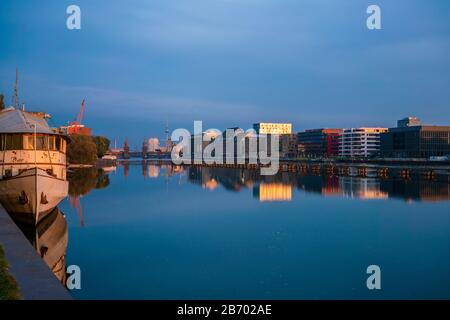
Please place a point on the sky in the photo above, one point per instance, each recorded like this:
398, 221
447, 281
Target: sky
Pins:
143, 64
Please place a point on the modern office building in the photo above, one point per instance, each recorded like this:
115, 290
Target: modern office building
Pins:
288, 146
360, 142
272, 128
319, 143
199, 142
287, 140
415, 141
408, 122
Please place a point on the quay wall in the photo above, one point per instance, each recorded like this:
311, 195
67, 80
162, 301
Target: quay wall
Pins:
35, 279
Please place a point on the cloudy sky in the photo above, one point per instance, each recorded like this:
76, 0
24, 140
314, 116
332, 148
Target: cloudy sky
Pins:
143, 63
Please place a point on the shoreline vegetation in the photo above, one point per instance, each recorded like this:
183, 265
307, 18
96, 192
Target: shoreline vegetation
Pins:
9, 289
84, 151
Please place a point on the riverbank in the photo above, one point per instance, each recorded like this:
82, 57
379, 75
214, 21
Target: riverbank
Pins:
80, 166
9, 289
32, 275
99, 163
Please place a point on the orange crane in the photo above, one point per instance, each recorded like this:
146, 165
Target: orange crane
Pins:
77, 127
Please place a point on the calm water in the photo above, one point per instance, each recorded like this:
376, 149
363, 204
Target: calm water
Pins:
148, 232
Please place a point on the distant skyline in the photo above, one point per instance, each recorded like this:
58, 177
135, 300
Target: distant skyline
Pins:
228, 63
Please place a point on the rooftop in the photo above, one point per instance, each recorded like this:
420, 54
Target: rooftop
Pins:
17, 121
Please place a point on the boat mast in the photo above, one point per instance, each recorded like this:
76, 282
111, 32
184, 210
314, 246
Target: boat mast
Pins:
35, 140
16, 91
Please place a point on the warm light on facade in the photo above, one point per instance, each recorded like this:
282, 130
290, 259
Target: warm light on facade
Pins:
275, 192
273, 128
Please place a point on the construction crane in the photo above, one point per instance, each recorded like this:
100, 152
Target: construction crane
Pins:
79, 119
76, 126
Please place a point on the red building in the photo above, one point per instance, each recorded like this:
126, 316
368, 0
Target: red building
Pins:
319, 143
79, 129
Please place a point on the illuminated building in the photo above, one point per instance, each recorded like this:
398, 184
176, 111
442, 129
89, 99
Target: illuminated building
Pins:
319, 143
272, 128
288, 145
153, 144
360, 142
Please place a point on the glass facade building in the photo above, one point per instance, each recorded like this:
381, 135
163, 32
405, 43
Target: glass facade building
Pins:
416, 142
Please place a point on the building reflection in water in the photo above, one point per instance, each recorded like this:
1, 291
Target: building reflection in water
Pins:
50, 236
417, 190
280, 186
153, 171
362, 188
269, 192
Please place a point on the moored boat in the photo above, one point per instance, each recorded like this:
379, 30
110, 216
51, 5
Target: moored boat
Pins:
33, 168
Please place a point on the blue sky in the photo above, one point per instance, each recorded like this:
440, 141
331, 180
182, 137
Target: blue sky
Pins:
143, 63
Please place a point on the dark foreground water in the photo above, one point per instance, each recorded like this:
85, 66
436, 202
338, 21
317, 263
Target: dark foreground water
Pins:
148, 232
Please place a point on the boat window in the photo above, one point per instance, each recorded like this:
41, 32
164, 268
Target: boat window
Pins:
63, 145
13, 142
41, 142
51, 142
28, 142
58, 143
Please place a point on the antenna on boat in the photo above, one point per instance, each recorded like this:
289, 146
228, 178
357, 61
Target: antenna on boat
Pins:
16, 91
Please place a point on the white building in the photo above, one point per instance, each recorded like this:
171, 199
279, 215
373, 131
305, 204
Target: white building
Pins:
153, 145
360, 142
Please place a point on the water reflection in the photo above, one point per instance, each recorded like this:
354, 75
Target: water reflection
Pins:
49, 238
268, 192
362, 188
281, 186
198, 228
82, 182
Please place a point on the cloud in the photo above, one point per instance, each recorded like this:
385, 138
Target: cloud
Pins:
129, 106
241, 27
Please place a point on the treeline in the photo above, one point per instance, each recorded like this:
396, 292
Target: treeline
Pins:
85, 149
2, 102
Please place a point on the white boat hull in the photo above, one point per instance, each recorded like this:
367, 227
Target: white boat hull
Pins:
31, 195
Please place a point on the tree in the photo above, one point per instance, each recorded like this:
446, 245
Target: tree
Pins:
102, 144
81, 150
2, 103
